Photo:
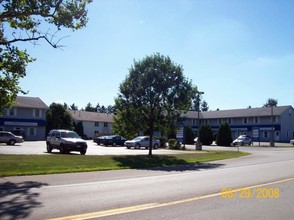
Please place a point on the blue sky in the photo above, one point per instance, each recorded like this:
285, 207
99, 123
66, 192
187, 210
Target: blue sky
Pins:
239, 53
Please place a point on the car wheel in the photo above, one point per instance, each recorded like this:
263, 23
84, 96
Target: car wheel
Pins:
129, 147
83, 152
155, 146
113, 144
137, 146
49, 148
62, 150
11, 142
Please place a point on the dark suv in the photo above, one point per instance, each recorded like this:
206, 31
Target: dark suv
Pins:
65, 141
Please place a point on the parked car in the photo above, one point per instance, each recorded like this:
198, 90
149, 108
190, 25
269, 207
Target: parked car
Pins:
98, 140
65, 141
9, 138
113, 140
292, 141
242, 140
142, 141
18, 132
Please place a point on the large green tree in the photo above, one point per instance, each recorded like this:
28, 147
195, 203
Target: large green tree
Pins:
25, 21
154, 93
58, 117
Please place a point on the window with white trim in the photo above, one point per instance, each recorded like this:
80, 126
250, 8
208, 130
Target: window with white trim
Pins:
32, 131
245, 120
11, 112
37, 113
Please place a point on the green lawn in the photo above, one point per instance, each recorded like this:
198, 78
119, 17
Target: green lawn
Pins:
15, 165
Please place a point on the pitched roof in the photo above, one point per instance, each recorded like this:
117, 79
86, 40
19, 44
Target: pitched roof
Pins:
30, 102
91, 116
237, 113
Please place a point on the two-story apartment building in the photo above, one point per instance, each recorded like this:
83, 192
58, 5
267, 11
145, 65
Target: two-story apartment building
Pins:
279, 119
94, 124
27, 115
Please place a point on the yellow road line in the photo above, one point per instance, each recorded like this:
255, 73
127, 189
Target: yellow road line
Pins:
110, 212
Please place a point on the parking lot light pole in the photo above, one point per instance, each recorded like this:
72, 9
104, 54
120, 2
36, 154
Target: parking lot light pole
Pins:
198, 143
272, 143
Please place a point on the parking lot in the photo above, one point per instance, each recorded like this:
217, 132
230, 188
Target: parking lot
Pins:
39, 147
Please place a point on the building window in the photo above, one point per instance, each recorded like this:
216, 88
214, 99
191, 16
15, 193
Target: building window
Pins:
96, 124
11, 112
32, 132
194, 121
37, 113
256, 120
230, 121
105, 124
245, 120
266, 134
219, 121
277, 134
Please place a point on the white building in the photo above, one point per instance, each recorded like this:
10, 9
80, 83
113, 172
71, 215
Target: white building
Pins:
94, 124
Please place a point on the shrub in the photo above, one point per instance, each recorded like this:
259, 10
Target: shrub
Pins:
224, 135
206, 135
174, 144
189, 135
162, 141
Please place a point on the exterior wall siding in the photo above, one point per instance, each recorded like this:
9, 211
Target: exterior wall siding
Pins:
26, 119
93, 129
282, 125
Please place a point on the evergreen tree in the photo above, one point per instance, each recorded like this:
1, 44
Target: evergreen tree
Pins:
79, 128
204, 106
206, 135
224, 135
189, 135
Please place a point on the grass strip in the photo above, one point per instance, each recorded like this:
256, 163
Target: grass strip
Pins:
16, 165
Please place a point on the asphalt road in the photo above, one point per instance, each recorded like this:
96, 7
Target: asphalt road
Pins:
185, 192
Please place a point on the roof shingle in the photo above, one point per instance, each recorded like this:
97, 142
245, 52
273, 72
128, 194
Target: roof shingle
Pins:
237, 113
91, 116
30, 102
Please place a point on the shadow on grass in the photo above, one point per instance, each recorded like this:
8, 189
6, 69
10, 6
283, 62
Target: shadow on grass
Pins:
161, 163
17, 200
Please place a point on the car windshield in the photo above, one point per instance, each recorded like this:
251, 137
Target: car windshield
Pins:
138, 138
69, 135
